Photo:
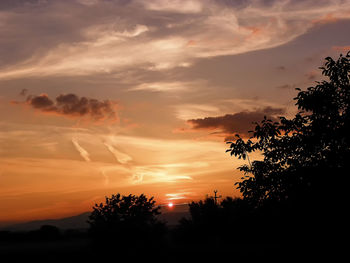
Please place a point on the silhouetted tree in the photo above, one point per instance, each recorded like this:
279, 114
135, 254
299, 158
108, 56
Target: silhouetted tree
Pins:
123, 219
305, 158
214, 223
198, 228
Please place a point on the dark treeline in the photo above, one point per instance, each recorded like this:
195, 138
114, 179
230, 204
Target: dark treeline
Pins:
129, 228
44, 233
293, 204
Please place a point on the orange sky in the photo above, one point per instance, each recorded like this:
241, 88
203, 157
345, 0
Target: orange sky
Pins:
99, 97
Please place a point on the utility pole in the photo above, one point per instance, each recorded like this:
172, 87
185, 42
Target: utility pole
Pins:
216, 197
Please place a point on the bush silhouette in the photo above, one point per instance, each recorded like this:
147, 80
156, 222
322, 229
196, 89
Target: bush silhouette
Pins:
214, 224
203, 223
123, 219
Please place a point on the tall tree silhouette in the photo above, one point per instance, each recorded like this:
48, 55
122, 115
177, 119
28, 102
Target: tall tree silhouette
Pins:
306, 158
316, 140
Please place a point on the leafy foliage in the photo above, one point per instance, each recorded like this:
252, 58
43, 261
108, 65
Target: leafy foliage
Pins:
299, 154
125, 218
216, 223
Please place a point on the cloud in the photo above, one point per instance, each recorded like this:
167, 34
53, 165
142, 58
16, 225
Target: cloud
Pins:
111, 171
71, 105
311, 75
42, 102
98, 37
171, 86
121, 157
81, 150
188, 111
151, 174
343, 49
230, 124
178, 196
326, 19
161, 86
177, 6
286, 86
88, 2
23, 92
159, 166
220, 107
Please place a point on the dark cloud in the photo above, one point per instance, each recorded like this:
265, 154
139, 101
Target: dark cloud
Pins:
23, 92
42, 102
74, 106
240, 122
282, 68
239, 4
287, 86
311, 75
10, 4
234, 3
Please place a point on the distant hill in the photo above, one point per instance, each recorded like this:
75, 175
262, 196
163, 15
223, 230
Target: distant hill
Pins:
172, 215
169, 215
73, 222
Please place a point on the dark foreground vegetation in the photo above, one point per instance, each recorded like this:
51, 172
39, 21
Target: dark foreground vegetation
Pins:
293, 206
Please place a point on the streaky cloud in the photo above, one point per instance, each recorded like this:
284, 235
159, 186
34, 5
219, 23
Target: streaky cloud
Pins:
155, 35
121, 157
83, 153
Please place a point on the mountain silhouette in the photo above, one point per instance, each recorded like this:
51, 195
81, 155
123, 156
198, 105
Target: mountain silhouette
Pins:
170, 216
72, 222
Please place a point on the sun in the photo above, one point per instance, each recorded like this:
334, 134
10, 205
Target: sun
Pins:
170, 205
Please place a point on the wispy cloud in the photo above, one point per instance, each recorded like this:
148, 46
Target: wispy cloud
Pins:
177, 6
178, 196
343, 49
111, 171
163, 86
158, 166
83, 153
221, 107
88, 2
154, 35
145, 174
190, 111
121, 157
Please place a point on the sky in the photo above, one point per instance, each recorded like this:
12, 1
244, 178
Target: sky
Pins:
139, 96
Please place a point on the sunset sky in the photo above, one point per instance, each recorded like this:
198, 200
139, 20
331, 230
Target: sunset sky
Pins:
138, 96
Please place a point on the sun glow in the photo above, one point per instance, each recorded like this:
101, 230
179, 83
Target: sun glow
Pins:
170, 205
